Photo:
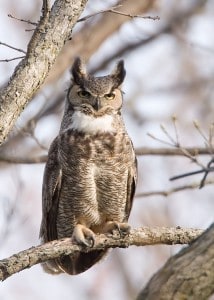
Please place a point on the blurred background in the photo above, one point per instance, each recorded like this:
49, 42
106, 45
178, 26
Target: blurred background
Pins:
168, 94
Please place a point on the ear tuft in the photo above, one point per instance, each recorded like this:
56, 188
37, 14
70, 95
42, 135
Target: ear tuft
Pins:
78, 71
119, 73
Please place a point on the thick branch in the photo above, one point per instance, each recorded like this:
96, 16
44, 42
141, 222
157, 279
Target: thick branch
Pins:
138, 237
187, 275
48, 39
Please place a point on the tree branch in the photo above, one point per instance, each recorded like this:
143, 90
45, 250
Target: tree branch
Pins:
187, 275
97, 32
172, 151
48, 39
166, 193
11, 47
139, 151
138, 237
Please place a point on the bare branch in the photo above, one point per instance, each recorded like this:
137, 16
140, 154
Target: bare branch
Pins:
112, 10
138, 237
139, 151
204, 170
98, 12
11, 59
133, 16
173, 190
198, 128
174, 142
171, 152
23, 160
22, 20
11, 47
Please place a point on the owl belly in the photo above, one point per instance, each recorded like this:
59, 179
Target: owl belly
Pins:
94, 182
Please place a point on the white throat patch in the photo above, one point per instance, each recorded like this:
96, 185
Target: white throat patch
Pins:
89, 124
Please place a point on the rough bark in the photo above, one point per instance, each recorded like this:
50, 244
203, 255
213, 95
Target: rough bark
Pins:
138, 237
187, 275
47, 41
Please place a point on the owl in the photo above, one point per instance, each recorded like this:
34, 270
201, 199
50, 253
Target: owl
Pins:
90, 176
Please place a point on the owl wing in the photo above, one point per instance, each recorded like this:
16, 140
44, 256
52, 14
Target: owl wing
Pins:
50, 194
131, 186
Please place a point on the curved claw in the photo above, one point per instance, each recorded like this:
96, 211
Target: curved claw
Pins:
83, 236
122, 228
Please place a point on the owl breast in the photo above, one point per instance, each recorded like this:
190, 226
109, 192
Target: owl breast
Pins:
94, 182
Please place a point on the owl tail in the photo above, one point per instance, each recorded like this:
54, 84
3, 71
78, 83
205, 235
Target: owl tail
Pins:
80, 262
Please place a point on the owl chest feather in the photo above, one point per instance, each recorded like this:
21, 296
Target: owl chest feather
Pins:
95, 170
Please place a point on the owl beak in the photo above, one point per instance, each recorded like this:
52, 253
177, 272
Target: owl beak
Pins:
97, 106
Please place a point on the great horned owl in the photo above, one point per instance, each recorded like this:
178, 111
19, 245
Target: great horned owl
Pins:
90, 176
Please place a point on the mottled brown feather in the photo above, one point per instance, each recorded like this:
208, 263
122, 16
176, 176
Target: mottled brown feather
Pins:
90, 176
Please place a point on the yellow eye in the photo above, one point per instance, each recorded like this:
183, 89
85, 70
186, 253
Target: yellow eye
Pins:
84, 94
109, 96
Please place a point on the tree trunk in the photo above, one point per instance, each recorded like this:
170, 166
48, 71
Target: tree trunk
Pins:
187, 275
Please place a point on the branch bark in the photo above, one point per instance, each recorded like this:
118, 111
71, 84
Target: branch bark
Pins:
47, 41
138, 237
187, 275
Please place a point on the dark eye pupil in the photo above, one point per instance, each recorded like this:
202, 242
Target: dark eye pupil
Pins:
84, 93
110, 95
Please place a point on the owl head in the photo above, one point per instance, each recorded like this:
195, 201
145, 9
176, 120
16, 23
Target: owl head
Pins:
96, 96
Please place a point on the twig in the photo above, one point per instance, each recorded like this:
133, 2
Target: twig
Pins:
138, 237
11, 59
206, 171
174, 120
189, 174
173, 190
172, 140
112, 10
14, 48
98, 12
134, 16
22, 20
198, 128
175, 143
209, 169
159, 140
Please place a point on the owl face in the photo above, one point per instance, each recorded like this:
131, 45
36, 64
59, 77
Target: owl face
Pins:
96, 96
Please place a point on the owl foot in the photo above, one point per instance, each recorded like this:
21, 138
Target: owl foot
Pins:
83, 236
122, 228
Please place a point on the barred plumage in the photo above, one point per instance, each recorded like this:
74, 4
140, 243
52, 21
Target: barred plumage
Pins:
90, 177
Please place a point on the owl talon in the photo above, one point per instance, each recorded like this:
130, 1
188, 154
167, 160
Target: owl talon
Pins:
83, 236
122, 228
